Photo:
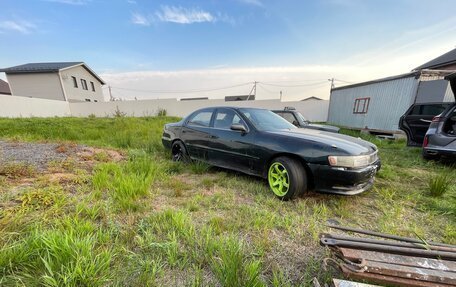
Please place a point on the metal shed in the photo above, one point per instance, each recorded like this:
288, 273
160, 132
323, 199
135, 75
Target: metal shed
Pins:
377, 105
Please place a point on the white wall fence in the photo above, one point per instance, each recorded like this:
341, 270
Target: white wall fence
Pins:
10, 106
22, 107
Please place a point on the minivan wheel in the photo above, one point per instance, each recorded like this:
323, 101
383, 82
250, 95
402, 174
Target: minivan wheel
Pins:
287, 178
179, 152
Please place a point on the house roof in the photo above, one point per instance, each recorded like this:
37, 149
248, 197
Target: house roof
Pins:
52, 67
443, 60
311, 98
4, 88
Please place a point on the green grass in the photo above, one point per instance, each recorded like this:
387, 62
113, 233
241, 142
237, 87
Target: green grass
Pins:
147, 221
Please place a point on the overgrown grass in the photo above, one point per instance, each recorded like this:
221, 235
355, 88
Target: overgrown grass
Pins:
147, 221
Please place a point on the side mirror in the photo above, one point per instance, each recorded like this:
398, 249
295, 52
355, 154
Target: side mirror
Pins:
295, 123
238, 127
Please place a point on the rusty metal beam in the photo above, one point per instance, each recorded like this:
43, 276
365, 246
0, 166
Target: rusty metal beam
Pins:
383, 235
389, 280
389, 242
419, 262
389, 249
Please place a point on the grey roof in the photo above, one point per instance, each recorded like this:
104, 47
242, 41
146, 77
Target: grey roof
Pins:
52, 67
311, 98
408, 75
40, 67
443, 60
4, 88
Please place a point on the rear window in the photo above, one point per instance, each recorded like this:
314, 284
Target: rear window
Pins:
430, 110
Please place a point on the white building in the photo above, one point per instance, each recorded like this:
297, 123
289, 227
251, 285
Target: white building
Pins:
65, 81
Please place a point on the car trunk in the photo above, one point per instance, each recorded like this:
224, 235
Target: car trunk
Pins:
449, 126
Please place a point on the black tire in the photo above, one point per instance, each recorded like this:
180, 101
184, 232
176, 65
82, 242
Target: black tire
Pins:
296, 174
179, 152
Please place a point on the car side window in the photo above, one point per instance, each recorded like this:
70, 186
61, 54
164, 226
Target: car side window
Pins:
430, 110
225, 118
201, 119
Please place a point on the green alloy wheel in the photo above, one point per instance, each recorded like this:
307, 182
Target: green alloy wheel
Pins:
287, 178
278, 179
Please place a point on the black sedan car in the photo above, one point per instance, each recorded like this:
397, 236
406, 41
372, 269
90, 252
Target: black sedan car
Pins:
296, 118
260, 143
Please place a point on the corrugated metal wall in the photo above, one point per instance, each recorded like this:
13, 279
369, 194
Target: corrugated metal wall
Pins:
388, 102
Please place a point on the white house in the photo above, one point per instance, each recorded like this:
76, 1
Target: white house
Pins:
64, 81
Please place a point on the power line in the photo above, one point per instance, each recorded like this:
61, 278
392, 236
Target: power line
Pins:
290, 86
183, 91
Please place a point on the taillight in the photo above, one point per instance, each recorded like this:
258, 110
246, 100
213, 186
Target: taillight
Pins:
437, 119
426, 140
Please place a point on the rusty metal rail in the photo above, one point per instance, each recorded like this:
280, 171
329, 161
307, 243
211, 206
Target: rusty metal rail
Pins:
394, 260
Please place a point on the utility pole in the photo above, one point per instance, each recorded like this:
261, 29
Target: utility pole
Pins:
280, 95
332, 83
253, 91
110, 94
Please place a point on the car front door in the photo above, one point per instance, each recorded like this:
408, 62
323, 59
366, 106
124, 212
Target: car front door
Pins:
417, 119
229, 148
196, 134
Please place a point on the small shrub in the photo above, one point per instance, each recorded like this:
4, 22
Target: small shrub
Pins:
118, 113
440, 184
92, 116
161, 113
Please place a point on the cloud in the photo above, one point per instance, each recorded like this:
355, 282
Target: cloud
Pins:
20, 26
131, 2
139, 19
70, 2
252, 2
182, 15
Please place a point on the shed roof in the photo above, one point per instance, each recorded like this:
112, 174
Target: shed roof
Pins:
4, 88
408, 75
448, 58
52, 67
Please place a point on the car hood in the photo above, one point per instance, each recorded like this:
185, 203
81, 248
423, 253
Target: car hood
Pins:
324, 127
340, 142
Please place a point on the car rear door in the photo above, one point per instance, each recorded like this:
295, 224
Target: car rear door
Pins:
415, 122
196, 133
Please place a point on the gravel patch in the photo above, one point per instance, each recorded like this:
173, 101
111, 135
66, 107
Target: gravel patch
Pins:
36, 154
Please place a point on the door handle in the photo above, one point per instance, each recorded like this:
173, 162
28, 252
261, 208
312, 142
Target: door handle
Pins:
426, 121
213, 137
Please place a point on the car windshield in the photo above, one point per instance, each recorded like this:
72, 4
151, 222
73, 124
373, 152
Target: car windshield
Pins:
265, 120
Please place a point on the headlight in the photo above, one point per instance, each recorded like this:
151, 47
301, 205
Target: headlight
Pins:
352, 161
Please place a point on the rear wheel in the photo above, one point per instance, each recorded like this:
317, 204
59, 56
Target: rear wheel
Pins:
179, 152
287, 178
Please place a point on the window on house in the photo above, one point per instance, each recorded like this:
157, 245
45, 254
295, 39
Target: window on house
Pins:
75, 82
93, 86
361, 106
87, 100
84, 84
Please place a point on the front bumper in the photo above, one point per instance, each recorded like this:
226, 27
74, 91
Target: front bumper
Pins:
339, 180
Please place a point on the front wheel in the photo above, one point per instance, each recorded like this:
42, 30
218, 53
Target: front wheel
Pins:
287, 178
179, 152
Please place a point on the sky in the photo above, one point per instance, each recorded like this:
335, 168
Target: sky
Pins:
148, 49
